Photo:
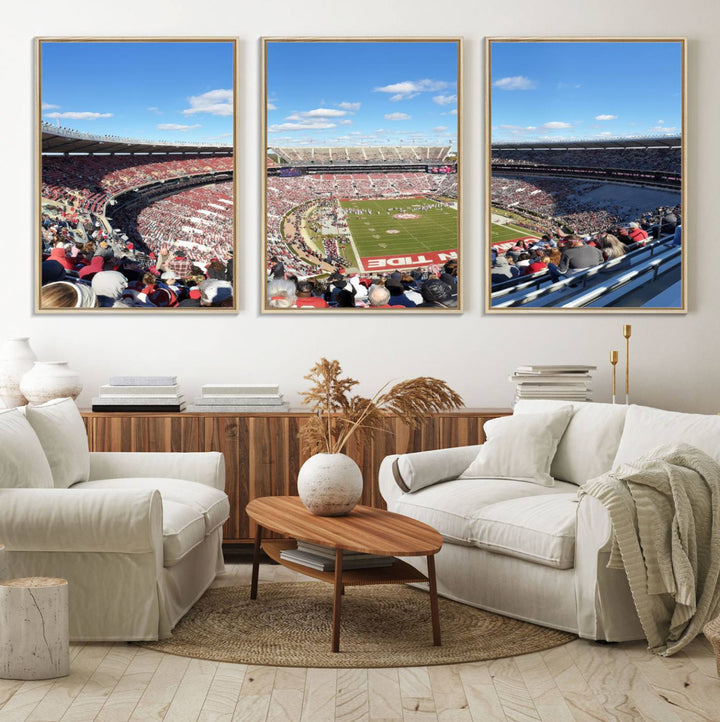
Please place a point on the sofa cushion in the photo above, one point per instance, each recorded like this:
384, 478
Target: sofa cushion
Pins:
423, 468
212, 504
540, 529
591, 439
647, 428
454, 507
23, 463
183, 530
62, 433
520, 447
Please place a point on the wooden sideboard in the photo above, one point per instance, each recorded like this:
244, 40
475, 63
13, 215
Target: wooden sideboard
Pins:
262, 453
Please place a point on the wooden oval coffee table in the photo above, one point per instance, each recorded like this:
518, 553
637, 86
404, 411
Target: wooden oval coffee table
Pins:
364, 529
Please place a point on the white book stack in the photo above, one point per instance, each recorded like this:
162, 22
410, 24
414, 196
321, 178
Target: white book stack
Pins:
322, 558
140, 393
561, 382
240, 399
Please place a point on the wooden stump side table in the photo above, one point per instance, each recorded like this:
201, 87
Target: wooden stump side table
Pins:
34, 628
364, 529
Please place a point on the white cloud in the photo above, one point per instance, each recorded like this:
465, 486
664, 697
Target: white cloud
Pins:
49, 106
271, 106
444, 99
397, 116
556, 125
304, 125
154, 109
346, 121
439, 128
323, 113
660, 122
177, 126
666, 129
606, 117
84, 115
351, 107
514, 82
215, 102
453, 111
408, 89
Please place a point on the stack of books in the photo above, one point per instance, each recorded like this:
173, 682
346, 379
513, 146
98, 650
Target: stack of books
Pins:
322, 558
240, 398
140, 393
563, 382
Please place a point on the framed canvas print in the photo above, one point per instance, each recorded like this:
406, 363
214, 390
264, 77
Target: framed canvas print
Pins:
361, 175
136, 175
585, 175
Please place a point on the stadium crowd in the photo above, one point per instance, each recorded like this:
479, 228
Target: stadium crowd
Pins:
89, 181
425, 287
552, 202
298, 192
559, 254
85, 264
660, 159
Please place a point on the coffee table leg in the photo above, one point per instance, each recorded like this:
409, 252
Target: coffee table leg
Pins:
434, 611
256, 563
337, 600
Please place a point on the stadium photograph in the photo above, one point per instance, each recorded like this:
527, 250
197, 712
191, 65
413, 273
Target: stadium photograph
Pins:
585, 176
361, 189
137, 189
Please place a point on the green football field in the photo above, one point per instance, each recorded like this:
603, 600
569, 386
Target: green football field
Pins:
435, 230
500, 234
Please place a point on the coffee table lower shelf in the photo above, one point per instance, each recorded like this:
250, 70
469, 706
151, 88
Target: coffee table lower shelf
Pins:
399, 572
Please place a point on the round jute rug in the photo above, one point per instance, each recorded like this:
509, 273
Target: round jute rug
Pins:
289, 625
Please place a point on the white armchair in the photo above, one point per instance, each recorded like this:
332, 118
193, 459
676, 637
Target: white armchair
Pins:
137, 536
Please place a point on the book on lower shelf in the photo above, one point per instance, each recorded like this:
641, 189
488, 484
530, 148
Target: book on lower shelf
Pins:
237, 409
134, 408
351, 560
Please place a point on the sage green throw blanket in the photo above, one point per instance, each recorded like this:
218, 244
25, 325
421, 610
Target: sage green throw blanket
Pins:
665, 512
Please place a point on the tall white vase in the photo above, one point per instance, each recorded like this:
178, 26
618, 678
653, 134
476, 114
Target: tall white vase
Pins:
330, 484
16, 358
49, 380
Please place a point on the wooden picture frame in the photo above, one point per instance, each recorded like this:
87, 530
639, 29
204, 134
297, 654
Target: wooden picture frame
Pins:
585, 175
136, 175
361, 175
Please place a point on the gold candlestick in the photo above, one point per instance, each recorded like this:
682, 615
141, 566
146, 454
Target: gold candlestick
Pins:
627, 331
613, 361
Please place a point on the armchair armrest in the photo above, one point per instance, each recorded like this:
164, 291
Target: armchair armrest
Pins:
411, 472
81, 520
206, 467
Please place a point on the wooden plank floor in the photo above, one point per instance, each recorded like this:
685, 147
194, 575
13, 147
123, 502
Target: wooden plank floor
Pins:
580, 681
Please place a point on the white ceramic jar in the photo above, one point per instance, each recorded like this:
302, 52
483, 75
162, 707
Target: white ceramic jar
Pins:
16, 359
330, 484
49, 380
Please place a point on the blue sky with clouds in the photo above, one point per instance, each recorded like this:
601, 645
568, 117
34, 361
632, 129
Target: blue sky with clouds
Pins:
176, 91
362, 93
552, 90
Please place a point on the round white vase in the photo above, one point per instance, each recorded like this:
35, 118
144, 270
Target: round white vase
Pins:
330, 484
16, 358
49, 380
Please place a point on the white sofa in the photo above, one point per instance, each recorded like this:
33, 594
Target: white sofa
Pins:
138, 536
539, 553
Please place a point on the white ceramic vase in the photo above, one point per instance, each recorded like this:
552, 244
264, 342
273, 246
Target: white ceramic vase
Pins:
49, 380
330, 484
16, 358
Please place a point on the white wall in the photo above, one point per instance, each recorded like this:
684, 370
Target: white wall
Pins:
675, 358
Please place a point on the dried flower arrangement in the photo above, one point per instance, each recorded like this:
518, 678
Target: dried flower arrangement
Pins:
339, 415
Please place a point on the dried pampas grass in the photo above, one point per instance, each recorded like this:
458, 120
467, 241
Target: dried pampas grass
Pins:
339, 415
